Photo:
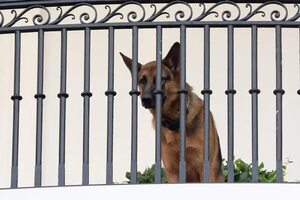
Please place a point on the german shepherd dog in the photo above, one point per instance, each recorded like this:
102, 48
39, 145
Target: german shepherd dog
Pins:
170, 120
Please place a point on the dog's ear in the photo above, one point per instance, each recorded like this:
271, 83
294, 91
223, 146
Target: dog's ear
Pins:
172, 58
128, 62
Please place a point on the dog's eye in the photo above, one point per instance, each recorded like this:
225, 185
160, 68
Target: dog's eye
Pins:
143, 80
163, 80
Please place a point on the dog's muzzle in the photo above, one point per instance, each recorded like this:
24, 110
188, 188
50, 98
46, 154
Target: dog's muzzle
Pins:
149, 100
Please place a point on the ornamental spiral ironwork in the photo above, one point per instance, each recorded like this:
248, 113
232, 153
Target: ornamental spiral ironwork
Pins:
226, 14
275, 15
37, 19
131, 15
132, 11
179, 14
83, 18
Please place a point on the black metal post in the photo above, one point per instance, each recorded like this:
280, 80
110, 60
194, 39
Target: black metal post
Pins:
110, 93
159, 94
86, 106
39, 118
254, 91
63, 95
134, 109
206, 92
230, 93
279, 92
183, 93
16, 111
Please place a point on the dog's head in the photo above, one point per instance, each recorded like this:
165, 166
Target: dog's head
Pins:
147, 77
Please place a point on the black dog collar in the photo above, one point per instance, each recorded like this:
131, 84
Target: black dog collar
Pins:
170, 124
173, 124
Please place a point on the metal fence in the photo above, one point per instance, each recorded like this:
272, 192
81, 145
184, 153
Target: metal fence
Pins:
150, 17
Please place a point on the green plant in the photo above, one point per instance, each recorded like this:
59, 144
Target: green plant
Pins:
148, 176
242, 173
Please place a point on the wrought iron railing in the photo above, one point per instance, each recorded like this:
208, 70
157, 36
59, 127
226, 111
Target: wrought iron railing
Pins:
60, 15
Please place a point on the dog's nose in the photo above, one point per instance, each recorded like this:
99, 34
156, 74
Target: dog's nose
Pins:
147, 102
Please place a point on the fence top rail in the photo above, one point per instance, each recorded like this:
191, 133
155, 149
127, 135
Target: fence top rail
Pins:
8, 4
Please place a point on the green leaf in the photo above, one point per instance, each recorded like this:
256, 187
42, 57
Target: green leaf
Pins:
128, 175
261, 166
272, 177
245, 177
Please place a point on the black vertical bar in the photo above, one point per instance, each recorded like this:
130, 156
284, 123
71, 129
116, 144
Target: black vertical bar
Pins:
254, 91
158, 104
183, 93
110, 93
278, 92
230, 94
16, 111
134, 112
39, 118
63, 95
86, 94
206, 92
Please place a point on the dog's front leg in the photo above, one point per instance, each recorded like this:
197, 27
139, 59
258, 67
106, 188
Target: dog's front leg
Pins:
172, 177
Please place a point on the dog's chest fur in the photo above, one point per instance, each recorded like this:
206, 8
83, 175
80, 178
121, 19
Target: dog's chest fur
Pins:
193, 122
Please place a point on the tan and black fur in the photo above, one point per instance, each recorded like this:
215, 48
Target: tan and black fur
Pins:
170, 120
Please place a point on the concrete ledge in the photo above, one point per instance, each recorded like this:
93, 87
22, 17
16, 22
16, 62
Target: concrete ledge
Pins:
160, 192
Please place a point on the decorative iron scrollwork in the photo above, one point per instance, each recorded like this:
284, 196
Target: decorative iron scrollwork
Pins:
37, 19
297, 15
180, 15
132, 11
132, 15
84, 17
226, 14
275, 15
